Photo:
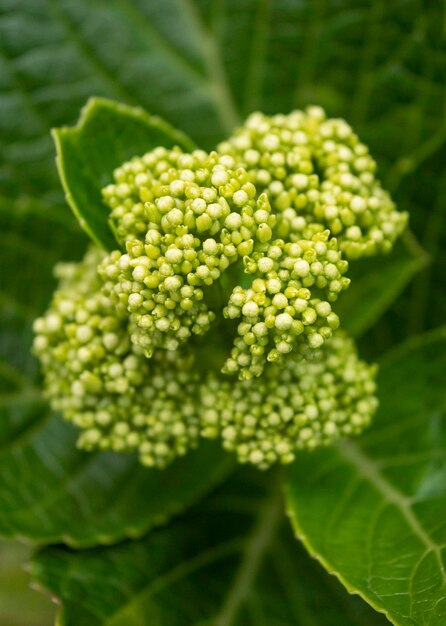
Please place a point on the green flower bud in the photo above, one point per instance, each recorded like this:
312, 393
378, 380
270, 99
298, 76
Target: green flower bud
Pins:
291, 308
317, 175
197, 222
295, 405
257, 234
103, 383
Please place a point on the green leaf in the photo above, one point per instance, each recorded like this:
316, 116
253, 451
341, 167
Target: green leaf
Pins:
373, 510
20, 605
230, 561
27, 265
377, 283
106, 135
52, 492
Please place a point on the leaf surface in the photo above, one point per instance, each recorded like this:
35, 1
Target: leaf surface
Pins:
34, 237
373, 510
230, 561
377, 283
82, 498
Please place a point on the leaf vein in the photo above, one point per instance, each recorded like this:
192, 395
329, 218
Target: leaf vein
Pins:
369, 470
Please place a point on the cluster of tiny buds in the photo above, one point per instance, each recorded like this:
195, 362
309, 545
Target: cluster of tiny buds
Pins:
133, 185
174, 192
199, 220
258, 233
297, 405
103, 383
318, 175
284, 304
160, 407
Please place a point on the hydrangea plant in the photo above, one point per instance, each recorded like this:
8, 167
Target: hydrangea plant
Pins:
201, 412
214, 315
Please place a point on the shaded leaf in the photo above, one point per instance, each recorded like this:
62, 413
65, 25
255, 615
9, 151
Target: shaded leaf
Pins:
107, 135
52, 492
374, 510
229, 561
34, 237
377, 283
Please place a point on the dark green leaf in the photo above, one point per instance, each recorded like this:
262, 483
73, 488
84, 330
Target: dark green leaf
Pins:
52, 492
377, 282
231, 561
374, 510
34, 237
106, 135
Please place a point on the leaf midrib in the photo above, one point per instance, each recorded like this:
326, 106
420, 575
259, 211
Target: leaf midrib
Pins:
223, 96
203, 559
252, 549
255, 549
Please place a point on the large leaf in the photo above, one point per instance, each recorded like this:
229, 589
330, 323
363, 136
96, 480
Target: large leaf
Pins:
204, 67
230, 561
34, 237
106, 135
377, 282
52, 492
374, 510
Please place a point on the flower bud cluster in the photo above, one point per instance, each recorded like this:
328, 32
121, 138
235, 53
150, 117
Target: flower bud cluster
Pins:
295, 405
134, 184
318, 175
160, 407
256, 233
103, 383
288, 305
200, 218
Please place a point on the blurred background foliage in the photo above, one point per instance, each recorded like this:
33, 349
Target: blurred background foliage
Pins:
20, 605
204, 65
